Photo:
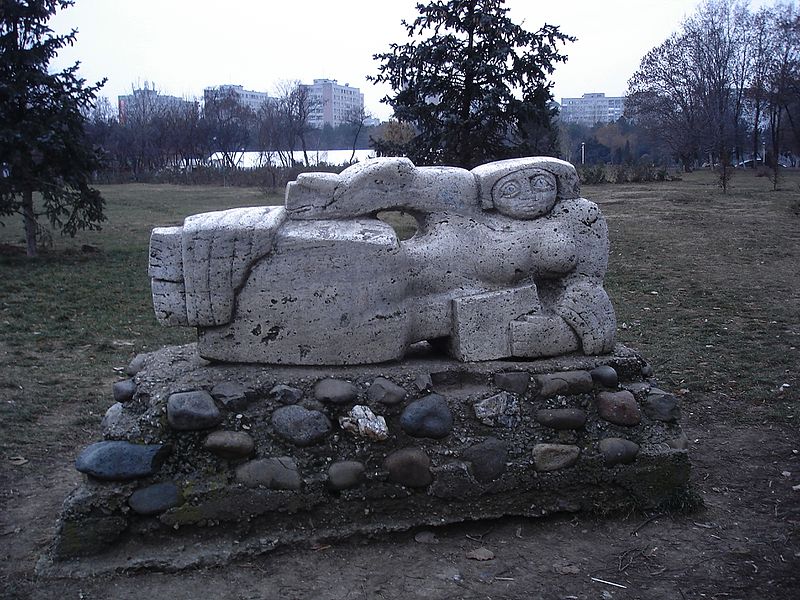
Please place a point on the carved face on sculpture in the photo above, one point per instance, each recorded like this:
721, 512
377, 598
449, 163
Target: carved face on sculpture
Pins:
525, 194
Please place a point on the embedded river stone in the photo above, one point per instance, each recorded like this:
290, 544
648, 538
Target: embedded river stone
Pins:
515, 381
619, 408
488, 459
231, 395
605, 375
278, 473
662, 407
335, 391
345, 474
561, 418
187, 411
121, 461
155, 499
386, 392
229, 444
428, 417
123, 390
618, 451
286, 394
501, 409
409, 466
299, 425
568, 382
362, 421
551, 457
136, 365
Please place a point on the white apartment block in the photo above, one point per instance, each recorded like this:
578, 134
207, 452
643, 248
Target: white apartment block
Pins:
592, 108
146, 102
249, 98
332, 104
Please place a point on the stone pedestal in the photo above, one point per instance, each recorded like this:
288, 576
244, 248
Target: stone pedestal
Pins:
203, 463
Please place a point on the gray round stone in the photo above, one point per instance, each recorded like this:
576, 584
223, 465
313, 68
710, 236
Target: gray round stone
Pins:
335, 391
229, 444
189, 411
386, 392
515, 382
278, 473
123, 390
427, 417
286, 394
618, 451
619, 408
345, 474
605, 375
230, 394
300, 426
488, 459
121, 461
662, 407
561, 418
552, 457
410, 467
647, 371
154, 499
136, 365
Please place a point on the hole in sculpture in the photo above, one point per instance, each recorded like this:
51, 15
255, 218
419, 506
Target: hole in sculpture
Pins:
404, 224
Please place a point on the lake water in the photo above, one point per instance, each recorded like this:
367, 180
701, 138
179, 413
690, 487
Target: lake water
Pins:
251, 160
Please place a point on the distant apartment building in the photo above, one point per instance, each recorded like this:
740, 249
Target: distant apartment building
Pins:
249, 98
331, 103
145, 102
592, 108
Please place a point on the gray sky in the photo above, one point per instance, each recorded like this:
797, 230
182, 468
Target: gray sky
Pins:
182, 46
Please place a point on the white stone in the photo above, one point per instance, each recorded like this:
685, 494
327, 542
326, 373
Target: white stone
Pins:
508, 261
362, 421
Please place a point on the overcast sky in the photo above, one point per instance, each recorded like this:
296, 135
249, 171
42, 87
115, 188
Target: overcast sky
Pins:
182, 46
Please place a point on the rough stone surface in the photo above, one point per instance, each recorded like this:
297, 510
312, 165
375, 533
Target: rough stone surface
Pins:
515, 382
232, 395
498, 410
605, 375
335, 391
299, 425
286, 394
619, 408
662, 407
385, 391
229, 444
346, 474
561, 418
187, 411
568, 382
679, 443
118, 423
488, 459
617, 451
423, 382
552, 457
155, 499
410, 467
123, 390
452, 480
365, 423
120, 461
428, 417
275, 473
371, 295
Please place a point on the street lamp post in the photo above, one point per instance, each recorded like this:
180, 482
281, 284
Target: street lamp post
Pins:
583, 153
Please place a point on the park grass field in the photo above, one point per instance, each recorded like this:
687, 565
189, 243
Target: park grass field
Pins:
706, 286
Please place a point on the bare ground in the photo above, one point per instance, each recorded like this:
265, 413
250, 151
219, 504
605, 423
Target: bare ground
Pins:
722, 331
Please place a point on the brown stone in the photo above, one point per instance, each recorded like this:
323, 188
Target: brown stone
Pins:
619, 408
551, 457
561, 418
410, 467
568, 382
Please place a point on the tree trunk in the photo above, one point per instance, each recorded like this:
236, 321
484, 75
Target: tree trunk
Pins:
29, 217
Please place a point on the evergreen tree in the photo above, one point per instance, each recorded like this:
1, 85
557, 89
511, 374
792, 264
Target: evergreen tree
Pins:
43, 143
476, 89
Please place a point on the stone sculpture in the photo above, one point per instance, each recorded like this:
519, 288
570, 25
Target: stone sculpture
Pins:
508, 261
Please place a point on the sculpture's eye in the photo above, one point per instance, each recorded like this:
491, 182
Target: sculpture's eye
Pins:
509, 189
542, 183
